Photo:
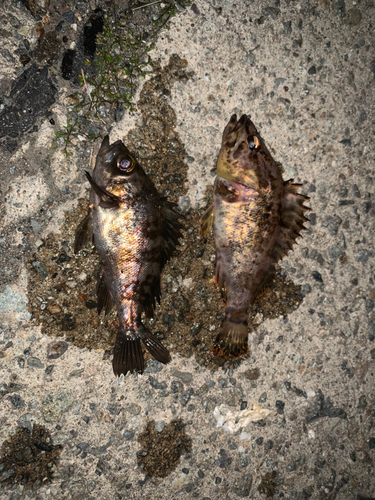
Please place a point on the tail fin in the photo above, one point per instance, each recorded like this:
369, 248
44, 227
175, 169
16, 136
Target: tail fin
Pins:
232, 340
128, 354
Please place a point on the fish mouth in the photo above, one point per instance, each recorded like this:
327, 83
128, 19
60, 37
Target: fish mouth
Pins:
239, 131
241, 153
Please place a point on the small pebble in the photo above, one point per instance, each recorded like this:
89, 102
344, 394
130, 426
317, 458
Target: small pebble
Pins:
252, 374
159, 425
263, 397
280, 407
40, 268
176, 386
56, 349
184, 376
268, 445
34, 363
129, 435
317, 276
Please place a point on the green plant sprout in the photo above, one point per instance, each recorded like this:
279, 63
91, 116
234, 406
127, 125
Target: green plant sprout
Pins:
122, 59
66, 135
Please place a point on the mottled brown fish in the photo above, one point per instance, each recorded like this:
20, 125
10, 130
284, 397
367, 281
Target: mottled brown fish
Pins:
135, 231
256, 218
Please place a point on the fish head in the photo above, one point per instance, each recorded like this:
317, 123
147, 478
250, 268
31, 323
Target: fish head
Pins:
118, 170
244, 157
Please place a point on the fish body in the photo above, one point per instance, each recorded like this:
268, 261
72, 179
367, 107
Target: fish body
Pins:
256, 218
135, 231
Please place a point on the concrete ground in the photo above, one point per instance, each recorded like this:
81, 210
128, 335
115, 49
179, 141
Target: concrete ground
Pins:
305, 72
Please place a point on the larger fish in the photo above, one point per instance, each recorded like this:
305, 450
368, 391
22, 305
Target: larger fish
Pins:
135, 231
256, 218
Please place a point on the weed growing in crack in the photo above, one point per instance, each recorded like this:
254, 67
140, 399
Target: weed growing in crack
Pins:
66, 135
122, 59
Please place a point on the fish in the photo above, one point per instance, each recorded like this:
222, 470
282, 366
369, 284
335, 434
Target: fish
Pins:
135, 232
256, 218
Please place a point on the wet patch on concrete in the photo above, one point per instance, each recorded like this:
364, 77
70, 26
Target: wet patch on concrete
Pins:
62, 286
30, 98
73, 61
267, 485
37, 8
161, 449
28, 457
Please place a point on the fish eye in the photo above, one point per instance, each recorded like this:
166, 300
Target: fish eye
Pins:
253, 143
125, 163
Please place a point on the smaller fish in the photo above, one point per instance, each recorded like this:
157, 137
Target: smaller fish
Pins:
135, 232
256, 219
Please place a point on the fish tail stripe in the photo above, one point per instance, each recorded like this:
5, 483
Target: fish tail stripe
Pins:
154, 347
127, 355
232, 340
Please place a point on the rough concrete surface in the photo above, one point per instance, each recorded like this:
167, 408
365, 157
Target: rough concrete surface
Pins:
305, 72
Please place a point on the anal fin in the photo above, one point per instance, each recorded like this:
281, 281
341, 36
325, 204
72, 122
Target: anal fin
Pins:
83, 234
207, 221
292, 220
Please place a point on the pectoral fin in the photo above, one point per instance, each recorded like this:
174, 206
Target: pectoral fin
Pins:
108, 200
221, 278
207, 221
83, 234
103, 296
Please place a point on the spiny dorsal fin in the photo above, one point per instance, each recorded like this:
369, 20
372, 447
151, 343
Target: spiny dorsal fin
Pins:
108, 200
83, 234
207, 221
292, 219
171, 230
